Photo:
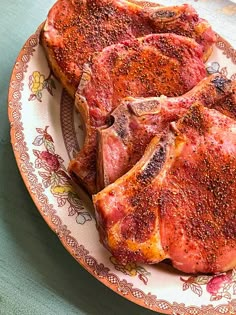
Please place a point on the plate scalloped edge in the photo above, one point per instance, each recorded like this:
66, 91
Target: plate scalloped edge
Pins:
111, 280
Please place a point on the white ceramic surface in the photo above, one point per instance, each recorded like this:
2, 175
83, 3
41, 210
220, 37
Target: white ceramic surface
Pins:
45, 133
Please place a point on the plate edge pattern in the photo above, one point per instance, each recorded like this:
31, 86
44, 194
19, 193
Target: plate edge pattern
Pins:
66, 116
227, 49
36, 191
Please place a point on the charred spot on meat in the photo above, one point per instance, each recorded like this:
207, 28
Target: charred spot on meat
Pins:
190, 201
158, 64
147, 117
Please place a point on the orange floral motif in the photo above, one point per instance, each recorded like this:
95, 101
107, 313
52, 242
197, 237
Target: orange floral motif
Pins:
37, 83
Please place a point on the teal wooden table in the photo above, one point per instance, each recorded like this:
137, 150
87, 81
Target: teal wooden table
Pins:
37, 275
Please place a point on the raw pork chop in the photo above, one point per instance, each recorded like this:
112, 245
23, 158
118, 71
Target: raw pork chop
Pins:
75, 29
178, 201
149, 66
136, 121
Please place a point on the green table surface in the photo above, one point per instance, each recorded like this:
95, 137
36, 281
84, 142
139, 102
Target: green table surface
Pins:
37, 275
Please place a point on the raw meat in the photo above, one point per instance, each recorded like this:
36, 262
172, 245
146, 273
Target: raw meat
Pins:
136, 121
149, 66
75, 29
178, 202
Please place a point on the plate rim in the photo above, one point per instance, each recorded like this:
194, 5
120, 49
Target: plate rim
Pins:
77, 251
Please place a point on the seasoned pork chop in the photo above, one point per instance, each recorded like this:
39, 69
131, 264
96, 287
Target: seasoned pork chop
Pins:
149, 66
136, 121
178, 201
145, 4
75, 29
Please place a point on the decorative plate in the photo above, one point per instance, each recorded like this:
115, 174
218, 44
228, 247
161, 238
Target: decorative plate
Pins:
46, 132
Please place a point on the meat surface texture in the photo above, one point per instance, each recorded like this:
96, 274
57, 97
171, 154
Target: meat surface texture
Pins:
75, 29
178, 202
137, 121
153, 65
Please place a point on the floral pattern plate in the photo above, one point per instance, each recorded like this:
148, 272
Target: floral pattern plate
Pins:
46, 132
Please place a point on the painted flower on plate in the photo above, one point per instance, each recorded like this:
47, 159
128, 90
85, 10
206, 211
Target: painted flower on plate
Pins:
217, 283
36, 81
51, 160
218, 286
55, 177
131, 269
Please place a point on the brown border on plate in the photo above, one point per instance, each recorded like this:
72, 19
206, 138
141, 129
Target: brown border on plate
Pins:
99, 271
